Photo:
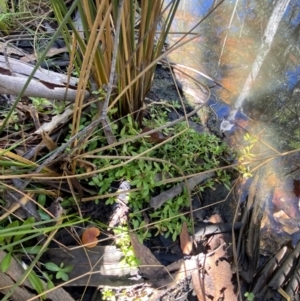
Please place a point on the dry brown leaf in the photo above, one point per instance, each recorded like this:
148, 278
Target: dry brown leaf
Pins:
35, 116
217, 276
185, 241
89, 237
88, 166
50, 144
74, 183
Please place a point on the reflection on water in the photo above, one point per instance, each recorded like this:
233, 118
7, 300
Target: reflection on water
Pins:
252, 49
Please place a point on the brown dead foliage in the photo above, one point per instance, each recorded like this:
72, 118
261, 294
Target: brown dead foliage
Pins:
213, 281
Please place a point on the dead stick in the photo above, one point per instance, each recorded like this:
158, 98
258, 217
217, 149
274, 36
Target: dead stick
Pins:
103, 118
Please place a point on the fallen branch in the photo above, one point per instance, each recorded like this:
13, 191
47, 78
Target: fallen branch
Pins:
160, 199
47, 84
208, 229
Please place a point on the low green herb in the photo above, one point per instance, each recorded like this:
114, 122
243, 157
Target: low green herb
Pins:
123, 242
61, 271
249, 296
247, 154
45, 106
108, 294
188, 153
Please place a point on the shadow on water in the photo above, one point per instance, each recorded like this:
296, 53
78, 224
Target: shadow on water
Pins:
252, 49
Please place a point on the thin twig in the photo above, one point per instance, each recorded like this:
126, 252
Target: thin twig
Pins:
104, 119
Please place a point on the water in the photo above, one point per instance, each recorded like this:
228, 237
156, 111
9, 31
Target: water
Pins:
252, 49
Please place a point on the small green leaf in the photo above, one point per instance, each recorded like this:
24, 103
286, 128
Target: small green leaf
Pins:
52, 267
141, 164
179, 201
36, 283
5, 262
44, 216
174, 235
249, 296
48, 278
120, 172
135, 223
137, 182
157, 166
27, 225
50, 284
59, 275
62, 275
12, 225
42, 199
65, 277
68, 269
140, 238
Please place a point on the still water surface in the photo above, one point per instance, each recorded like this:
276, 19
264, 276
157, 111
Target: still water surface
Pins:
252, 48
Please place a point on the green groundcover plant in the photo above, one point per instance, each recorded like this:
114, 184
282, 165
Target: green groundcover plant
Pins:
186, 152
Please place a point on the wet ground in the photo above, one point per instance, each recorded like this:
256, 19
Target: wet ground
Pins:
251, 49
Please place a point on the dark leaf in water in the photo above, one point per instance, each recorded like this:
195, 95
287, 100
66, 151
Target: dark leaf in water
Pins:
297, 188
